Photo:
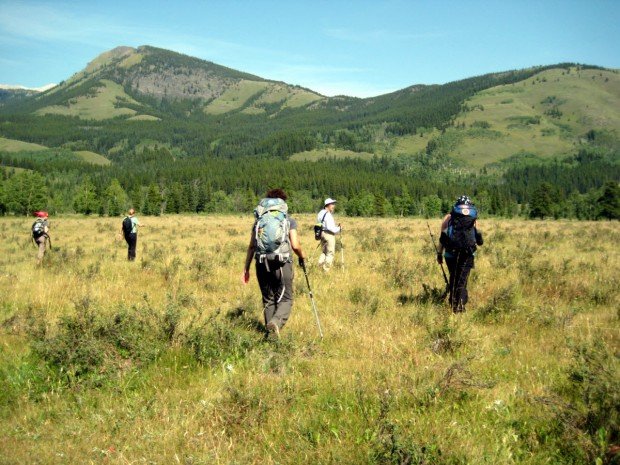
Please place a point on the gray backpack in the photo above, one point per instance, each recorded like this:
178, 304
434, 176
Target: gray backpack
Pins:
271, 231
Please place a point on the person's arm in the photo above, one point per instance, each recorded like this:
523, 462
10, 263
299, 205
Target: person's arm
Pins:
440, 248
479, 239
330, 224
248, 258
296, 245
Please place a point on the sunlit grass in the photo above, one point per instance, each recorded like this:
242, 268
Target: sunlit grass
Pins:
397, 378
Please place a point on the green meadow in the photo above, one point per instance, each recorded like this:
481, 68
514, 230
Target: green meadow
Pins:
164, 360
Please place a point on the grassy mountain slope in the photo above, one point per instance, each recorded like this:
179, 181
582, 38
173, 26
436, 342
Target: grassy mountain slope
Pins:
129, 82
545, 115
203, 109
104, 102
16, 149
10, 145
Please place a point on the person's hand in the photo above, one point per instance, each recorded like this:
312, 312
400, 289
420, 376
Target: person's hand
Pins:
439, 258
302, 262
246, 276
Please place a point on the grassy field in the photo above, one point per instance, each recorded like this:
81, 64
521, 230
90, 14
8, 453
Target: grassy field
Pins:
314, 155
92, 157
163, 360
44, 153
12, 145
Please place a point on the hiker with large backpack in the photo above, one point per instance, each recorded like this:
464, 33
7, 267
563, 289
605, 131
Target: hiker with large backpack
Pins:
40, 234
274, 239
129, 230
326, 230
458, 242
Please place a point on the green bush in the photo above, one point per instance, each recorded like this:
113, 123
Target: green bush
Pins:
90, 345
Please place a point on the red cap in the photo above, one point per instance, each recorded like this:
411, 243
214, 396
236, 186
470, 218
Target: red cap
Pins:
41, 214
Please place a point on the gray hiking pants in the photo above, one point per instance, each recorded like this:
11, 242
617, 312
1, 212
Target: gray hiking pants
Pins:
276, 286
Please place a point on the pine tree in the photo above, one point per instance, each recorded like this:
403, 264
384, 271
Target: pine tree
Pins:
609, 202
431, 206
541, 203
152, 203
86, 200
115, 199
26, 192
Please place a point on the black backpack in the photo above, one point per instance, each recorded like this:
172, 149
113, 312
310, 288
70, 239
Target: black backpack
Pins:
318, 228
460, 236
127, 226
38, 229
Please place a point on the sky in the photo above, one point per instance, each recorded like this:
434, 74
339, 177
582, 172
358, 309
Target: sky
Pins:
359, 48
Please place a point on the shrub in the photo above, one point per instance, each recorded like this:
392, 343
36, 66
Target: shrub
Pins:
502, 303
91, 345
212, 342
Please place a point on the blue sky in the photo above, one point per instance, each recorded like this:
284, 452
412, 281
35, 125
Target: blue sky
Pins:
359, 48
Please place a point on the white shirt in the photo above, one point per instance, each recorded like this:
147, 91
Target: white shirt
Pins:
329, 224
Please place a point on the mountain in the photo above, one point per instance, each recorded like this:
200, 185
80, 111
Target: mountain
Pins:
128, 97
10, 93
129, 82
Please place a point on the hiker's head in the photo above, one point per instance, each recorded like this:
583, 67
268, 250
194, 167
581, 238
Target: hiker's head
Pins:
330, 204
131, 212
41, 214
276, 194
463, 200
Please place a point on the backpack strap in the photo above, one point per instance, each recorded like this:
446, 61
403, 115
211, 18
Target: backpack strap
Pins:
324, 215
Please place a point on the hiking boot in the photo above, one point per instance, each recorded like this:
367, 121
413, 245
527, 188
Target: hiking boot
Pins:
460, 308
273, 330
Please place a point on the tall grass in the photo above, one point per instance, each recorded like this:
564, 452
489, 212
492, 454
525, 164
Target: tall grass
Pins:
164, 360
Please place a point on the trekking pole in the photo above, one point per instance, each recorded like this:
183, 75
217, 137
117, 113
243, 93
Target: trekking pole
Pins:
316, 313
341, 251
445, 278
49, 239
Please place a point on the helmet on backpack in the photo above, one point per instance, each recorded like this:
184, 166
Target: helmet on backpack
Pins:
463, 200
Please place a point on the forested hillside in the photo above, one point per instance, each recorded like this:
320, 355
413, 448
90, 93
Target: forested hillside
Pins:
186, 135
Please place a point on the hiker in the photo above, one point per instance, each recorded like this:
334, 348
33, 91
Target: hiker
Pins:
40, 234
274, 235
458, 242
329, 229
129, 230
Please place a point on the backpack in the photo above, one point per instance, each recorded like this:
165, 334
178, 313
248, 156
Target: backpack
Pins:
38, 228
318, 228
127, 226
460, 236
271, 230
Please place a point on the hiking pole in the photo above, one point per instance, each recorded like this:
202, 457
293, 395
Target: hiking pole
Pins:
316, 313
445, 278
49, 239
341, 251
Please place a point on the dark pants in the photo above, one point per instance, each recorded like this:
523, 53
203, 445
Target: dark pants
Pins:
276, 286
132, 240
459, 267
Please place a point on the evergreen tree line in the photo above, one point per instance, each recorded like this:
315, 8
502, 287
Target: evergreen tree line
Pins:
155, 182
